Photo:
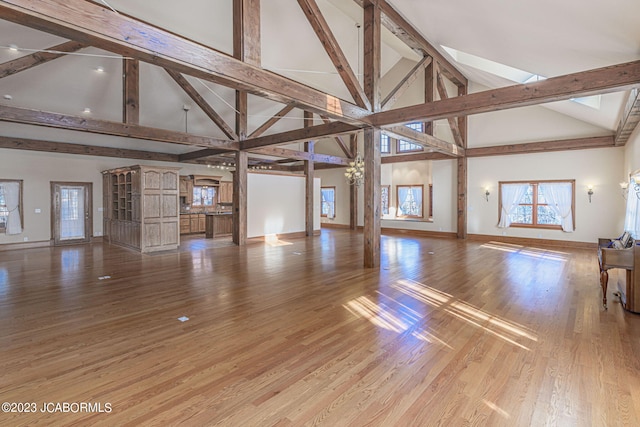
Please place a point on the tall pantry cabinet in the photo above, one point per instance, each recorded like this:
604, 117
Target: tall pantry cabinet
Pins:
141, 207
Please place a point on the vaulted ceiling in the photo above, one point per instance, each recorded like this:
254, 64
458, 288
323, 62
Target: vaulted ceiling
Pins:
546, 38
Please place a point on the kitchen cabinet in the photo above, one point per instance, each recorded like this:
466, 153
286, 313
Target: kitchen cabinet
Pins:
142, 207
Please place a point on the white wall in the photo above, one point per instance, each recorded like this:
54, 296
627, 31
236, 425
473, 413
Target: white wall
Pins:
601, 168
276, 204
38, 169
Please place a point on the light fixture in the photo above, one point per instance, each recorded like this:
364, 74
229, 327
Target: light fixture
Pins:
13, 48
590, 191
87, 110
486, 193
355, 171
100, 69
8, 97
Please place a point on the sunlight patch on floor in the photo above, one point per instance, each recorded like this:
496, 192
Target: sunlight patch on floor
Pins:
494, 325
496, 408
273, 240
527, 251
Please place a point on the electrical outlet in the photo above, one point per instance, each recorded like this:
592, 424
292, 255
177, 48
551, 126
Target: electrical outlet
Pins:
37, 210
25, 239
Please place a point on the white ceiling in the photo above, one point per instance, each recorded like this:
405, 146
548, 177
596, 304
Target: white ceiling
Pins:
547, 37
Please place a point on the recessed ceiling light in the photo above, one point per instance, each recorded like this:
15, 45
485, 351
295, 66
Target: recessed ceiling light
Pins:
8, 97
13, 48
100, 69
87, 110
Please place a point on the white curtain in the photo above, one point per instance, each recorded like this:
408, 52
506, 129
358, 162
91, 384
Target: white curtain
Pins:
12, 200
403, 192
632, 216
559, 199
328, 200
511, 196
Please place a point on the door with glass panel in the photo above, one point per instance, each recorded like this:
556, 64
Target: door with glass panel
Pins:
71, 212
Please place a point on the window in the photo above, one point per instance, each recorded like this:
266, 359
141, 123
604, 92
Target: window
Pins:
539, 204
11, 218
203, 195
385, 143
409, 199
328, 195
406, 146
384, 198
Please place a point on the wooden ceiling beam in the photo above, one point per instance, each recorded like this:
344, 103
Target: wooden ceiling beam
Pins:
602, 80
130, 91
301, 155
129, 130
202, 103
87, 150
297, 135
404, 84
543, 146
199, 154
92, 24
630, 117
341, 143
401, 28
38, 58
415, 157
453, 122
332, 47
424, 140
272, 121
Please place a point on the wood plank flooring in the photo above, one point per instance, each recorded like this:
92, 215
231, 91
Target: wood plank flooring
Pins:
445, 333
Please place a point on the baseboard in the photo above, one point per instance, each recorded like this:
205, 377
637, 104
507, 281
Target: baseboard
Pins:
417, 233
527, 241
26, 245
332, 225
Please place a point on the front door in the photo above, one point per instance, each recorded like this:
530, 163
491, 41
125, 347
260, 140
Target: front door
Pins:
71, 209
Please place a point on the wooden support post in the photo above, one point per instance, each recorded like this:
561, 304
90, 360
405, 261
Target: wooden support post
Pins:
372, 55
240, 199
131, 91
430, 83
309, 174
246, 47
353, 190
372, 198
462, 174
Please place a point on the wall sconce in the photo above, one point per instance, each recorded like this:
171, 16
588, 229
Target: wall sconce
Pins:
486, 193
590, 192
624, 187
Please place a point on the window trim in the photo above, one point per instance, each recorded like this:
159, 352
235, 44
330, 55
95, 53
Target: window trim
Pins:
20, 203
328, 187
398, 201
388, 151
534, 205
214, 200
414, 150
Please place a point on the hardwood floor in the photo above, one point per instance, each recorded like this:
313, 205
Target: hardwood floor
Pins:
446, 333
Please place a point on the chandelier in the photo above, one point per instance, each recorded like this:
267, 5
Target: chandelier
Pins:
355, 171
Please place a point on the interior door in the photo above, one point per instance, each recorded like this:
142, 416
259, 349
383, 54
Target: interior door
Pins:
72, 208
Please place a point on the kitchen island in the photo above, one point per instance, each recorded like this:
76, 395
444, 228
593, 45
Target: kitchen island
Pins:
218, 224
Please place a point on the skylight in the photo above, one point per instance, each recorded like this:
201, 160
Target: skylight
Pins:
510, 73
